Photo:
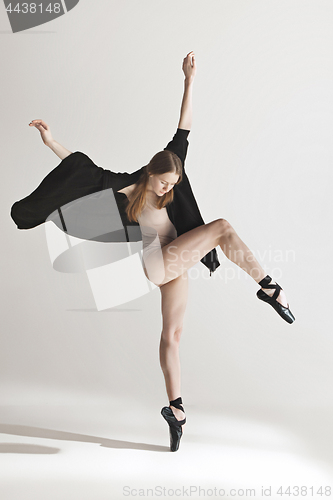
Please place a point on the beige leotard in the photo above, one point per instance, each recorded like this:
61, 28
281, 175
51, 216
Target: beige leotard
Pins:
157, 231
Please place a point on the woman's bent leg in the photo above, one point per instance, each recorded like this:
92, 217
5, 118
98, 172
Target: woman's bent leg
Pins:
173, 300
236, 251
189, 248
183, 252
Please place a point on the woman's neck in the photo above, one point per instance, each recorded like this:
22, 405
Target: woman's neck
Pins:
151, 197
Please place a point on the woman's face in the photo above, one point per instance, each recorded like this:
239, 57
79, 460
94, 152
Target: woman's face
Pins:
162, 183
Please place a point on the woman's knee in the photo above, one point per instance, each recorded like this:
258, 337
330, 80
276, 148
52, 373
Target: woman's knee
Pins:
224, 228
171, 335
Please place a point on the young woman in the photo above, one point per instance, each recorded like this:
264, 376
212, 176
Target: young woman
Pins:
159, 198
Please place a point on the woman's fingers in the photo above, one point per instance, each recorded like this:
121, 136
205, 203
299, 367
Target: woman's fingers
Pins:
189, 65
39, 124
189, 59
43, 129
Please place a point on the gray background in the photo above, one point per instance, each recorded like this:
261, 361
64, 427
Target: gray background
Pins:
107, 78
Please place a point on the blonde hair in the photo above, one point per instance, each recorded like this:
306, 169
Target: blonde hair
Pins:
161, 163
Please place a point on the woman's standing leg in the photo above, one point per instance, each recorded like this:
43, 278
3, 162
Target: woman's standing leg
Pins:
173, 304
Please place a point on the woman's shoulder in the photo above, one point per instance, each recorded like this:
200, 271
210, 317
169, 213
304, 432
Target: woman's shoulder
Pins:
127, 190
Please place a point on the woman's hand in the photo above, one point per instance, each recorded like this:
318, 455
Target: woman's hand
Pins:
48, 140
44, 130
189, 66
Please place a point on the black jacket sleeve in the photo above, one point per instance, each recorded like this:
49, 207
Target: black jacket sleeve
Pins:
76, 176
179, 144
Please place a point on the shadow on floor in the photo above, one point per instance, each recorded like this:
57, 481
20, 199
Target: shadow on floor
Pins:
33, 449
38, 432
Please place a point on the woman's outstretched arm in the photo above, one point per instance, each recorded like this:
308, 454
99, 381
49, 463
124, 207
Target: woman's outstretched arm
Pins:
48, 140
189, 68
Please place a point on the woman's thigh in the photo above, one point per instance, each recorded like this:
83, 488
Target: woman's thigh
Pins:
185, 251
174, 296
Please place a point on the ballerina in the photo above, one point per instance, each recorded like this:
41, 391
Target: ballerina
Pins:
159, 199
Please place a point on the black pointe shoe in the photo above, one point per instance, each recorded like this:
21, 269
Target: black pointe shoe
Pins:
175, 426
284, 312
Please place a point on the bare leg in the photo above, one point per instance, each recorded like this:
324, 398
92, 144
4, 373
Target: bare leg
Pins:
186, 250
173, 300
190, 247
236, 250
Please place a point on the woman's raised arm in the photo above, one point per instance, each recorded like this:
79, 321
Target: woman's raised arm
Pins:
48, 140
189, 68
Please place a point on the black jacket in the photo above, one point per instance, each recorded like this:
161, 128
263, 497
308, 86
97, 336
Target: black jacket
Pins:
77, 176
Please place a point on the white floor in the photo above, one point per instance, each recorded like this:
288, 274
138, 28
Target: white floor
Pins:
101, 452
